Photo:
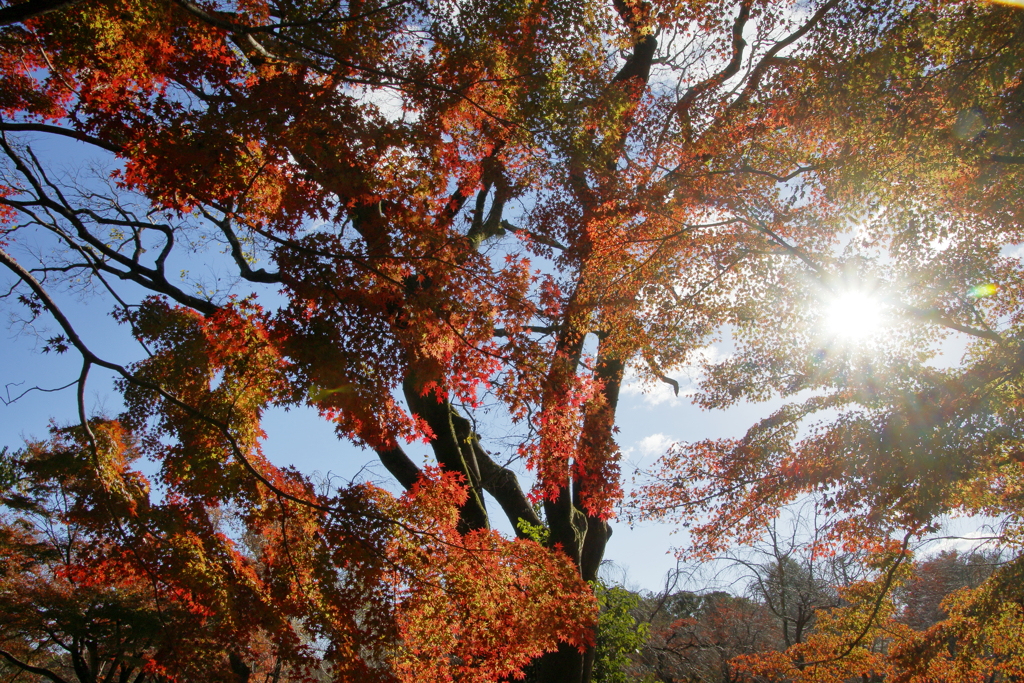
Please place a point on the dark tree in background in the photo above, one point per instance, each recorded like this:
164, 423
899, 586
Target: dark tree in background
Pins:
936, 578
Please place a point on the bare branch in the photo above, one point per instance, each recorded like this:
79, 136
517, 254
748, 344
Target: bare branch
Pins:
245, 270
152, 278
536, 237
8, 401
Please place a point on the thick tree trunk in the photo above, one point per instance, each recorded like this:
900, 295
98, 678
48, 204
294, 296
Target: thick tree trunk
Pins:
562, 666
453, 454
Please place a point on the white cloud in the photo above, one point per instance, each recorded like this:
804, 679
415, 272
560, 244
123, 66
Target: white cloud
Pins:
656, 394
971, 541
655, 444
1013, 251
688, 376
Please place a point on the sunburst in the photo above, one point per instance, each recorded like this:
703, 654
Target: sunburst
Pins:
854, 316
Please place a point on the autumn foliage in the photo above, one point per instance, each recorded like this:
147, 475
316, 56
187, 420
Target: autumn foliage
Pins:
442, 219
96, 571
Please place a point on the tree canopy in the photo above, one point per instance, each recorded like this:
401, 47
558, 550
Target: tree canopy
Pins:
442, 216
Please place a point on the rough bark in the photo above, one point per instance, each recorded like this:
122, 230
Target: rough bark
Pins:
436, 411
498, 481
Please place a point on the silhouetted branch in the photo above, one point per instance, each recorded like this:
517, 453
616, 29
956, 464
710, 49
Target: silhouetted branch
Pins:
8, 401
23, 11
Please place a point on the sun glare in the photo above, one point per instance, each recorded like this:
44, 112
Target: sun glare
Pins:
855, 316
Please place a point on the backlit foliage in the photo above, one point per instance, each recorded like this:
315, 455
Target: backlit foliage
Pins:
439, 217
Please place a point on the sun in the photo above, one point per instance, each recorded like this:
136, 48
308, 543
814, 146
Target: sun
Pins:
854, 316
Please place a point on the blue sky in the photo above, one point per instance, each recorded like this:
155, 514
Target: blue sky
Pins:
649, 419
649, 423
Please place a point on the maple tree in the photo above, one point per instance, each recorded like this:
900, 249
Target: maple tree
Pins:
101, 580
808, 615
946, 617
890, 434
899, 438
979, 639
448, 206
76, 604
786, 583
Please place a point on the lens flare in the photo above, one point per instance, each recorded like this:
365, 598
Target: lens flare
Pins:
982, 291
854, 316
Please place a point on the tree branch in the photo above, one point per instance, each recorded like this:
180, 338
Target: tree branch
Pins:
437, 412
536, 237
597, 446
728, 71
769, 57
57, 130
1007, 159
537, 329
24, 11
245, 270
399, 465
639, 63
498, 481
150, 278
37, 670
928, 315
933, 315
